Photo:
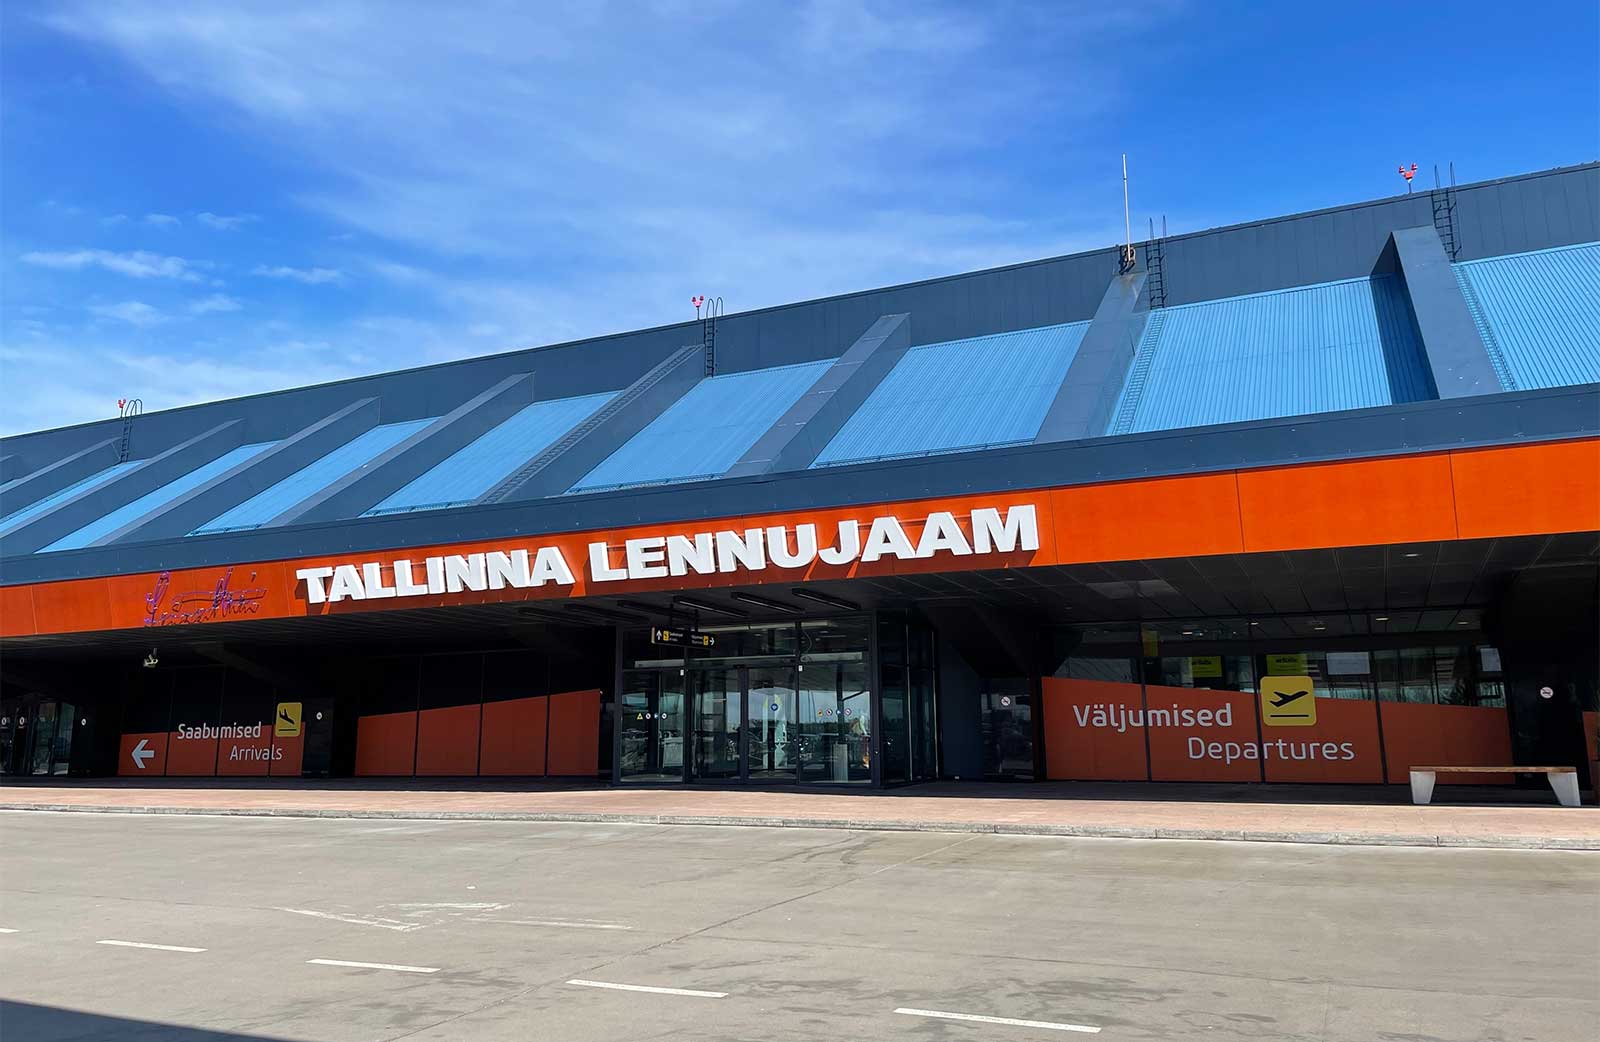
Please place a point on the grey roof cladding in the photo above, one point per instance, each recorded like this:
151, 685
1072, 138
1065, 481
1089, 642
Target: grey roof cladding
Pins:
1535, 211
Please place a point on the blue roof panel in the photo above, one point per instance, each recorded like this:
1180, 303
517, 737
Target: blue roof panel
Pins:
982, 392
33, 510
313, 478
1539, 314
160, 497
705, 432
1336, 345
480, 466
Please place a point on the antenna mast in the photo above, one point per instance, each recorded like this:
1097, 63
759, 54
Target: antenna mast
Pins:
1127, 225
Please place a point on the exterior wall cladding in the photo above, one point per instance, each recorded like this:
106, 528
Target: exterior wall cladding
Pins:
1490, 219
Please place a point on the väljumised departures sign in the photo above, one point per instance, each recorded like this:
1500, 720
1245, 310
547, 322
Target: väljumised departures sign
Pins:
681, 638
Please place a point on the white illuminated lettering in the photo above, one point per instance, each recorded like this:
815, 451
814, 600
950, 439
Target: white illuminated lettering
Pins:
849, 544
372, 579
644, 557
405, 583
886, 537
464, 573
991, 535
550, 566
346, 584
508, 569
435, 574
735, 549
698, 555
316, 592
805, 537
943, 532
600, 569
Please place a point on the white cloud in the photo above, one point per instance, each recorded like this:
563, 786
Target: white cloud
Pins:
225, 224
161, 220
309, 276
138, 264
133, 312
213, 303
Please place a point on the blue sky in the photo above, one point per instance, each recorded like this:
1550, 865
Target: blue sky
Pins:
204, 200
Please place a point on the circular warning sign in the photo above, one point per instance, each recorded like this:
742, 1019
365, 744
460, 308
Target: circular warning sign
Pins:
1547, 692
1005, 700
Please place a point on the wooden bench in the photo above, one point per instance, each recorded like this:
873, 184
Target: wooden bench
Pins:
1564, 780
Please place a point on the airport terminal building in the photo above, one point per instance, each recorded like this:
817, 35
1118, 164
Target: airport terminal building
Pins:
1312, 499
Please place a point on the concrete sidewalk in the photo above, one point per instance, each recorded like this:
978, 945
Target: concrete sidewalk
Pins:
1372, 815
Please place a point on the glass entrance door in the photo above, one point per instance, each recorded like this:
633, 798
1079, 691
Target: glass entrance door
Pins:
718, 702
650, 726
772, 735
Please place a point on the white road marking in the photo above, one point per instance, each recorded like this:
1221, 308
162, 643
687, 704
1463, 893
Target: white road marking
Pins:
465, 906
654, 991
356, 920
155, 947
374, 965
552, 922
4, 930
1009, 1021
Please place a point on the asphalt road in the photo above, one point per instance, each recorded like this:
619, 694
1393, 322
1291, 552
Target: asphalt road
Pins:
478, 931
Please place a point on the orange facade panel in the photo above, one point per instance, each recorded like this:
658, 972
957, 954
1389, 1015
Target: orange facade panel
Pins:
447, 741
1158, 517
1086, 735
575, 734
1421, 735
514, 736
1527, 489
1403, 499
386, 745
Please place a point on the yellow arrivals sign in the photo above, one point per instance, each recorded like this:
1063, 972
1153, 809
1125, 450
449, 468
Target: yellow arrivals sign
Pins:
286, 724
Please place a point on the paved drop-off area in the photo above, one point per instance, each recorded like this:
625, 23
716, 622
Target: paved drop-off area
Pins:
1461, 816
809, 934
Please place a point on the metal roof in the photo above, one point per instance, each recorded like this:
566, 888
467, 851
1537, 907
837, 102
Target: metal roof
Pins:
1539, 314
309, 480
1340, 345
705, 432
108, 523
32, 510
477, 467
980, 392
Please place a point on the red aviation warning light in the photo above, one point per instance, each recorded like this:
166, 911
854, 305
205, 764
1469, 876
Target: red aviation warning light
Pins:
1408, 174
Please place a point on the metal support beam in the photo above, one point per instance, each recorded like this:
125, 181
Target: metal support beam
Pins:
800, 435
1456, 355
193, 509
1088, 396
393, 469
72, 514
583, 448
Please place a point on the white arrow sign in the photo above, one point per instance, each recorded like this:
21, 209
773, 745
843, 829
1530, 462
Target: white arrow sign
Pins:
142, 752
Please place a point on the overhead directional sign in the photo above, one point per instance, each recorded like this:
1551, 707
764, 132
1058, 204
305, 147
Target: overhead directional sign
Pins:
682, 638
142, 752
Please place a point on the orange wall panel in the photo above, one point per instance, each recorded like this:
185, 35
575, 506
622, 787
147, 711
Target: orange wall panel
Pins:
1397, 500
1528, 489
154, 766
447, 741
386, 745
1158, 517
1209, 753
1344, 728
1421, 735
287, 753
1591, 721
16, 611
1077, 750
245, 757
73, 606
514, 736
191, 757
575, 733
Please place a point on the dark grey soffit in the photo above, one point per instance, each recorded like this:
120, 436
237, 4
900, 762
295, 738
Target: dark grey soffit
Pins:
1501, 419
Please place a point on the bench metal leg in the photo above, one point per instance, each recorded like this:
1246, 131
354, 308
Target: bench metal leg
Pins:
1566, 788
1422, 786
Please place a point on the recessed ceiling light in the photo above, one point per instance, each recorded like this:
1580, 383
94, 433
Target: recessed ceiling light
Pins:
1413, 554
762, 602
1380, 618
717, 609
825, 598
1464, 622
